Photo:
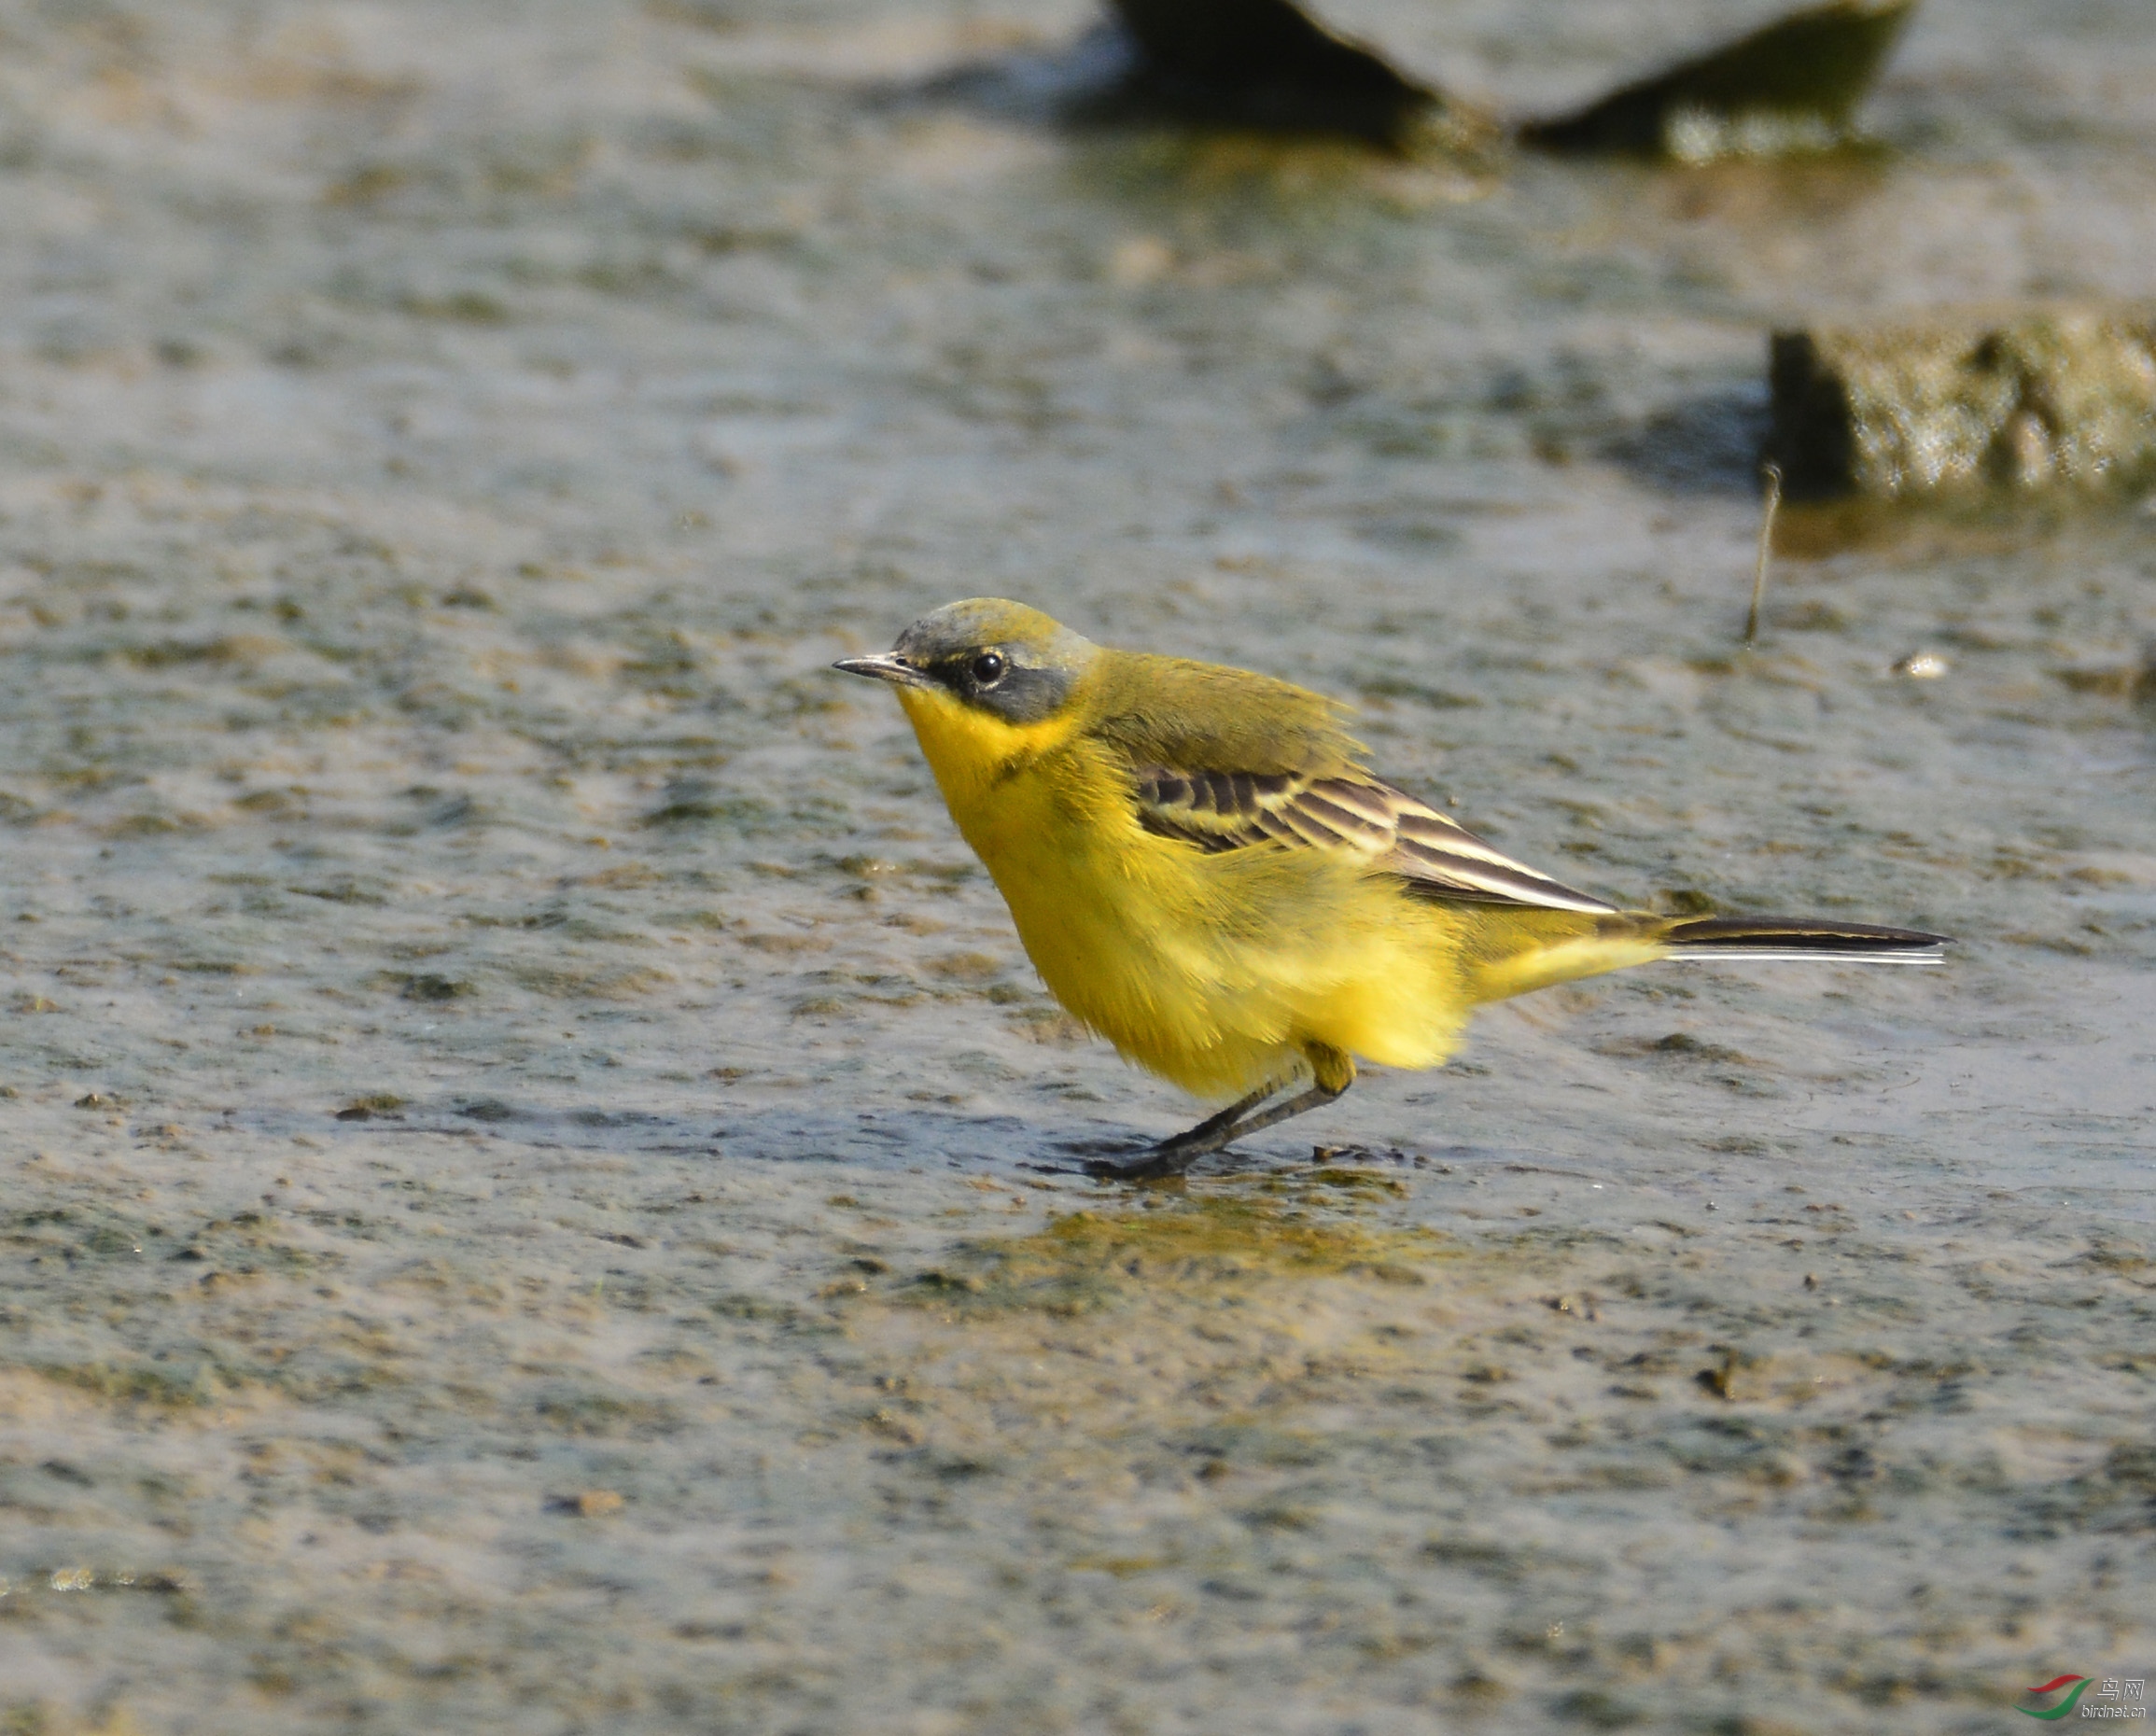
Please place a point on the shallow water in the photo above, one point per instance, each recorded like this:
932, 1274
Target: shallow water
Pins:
444, 446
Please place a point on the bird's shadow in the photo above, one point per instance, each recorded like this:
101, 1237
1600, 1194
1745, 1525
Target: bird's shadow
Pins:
772, 1135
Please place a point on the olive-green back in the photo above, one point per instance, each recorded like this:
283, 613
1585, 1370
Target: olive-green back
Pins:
1169, 711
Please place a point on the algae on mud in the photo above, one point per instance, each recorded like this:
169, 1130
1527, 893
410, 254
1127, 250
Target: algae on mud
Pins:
2019, 399
1215, 1242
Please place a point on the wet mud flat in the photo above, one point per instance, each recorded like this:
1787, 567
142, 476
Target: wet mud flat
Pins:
535, 1188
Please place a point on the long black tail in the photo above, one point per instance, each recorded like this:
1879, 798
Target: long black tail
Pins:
1801, 937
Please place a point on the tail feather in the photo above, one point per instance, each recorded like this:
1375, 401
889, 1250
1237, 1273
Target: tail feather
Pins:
1801, 937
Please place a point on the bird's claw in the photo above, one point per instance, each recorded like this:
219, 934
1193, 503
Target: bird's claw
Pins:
1164, 1162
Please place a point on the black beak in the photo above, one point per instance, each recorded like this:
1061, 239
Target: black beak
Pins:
884, 668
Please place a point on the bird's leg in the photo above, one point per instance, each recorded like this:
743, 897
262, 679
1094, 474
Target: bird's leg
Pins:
1209, 1135
1173, 1156
1335, 1073
1317, 1097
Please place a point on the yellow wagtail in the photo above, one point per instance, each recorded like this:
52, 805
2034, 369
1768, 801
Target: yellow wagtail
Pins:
1205, 871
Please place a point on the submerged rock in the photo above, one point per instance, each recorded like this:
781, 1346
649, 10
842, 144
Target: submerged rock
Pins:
1268, 63
1792, 85
2023, 400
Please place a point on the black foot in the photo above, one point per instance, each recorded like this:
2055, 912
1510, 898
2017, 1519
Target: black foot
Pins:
1172, 1156
1155, 1163
1216, 1133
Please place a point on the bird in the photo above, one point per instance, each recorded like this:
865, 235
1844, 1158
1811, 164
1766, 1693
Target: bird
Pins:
1205, 871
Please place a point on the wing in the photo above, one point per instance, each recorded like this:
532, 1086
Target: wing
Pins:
1351, 813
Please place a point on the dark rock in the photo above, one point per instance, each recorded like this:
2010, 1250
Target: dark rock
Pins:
1791, 85
1267, 63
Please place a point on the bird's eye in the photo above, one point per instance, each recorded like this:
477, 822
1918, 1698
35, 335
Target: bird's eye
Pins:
988, 669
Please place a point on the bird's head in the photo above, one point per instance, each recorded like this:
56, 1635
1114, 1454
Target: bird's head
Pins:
996, 671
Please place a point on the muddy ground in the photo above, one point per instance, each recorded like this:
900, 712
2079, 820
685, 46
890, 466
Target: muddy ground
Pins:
534, 1193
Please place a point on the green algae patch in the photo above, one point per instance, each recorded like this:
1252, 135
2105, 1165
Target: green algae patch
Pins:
138, 1384
372, 1104
2014, 400
1211, 1243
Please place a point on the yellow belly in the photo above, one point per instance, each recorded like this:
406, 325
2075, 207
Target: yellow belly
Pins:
1222, 972
1215, 970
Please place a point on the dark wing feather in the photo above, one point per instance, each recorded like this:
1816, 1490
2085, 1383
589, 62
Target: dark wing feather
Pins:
1301, 784
1351, 813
